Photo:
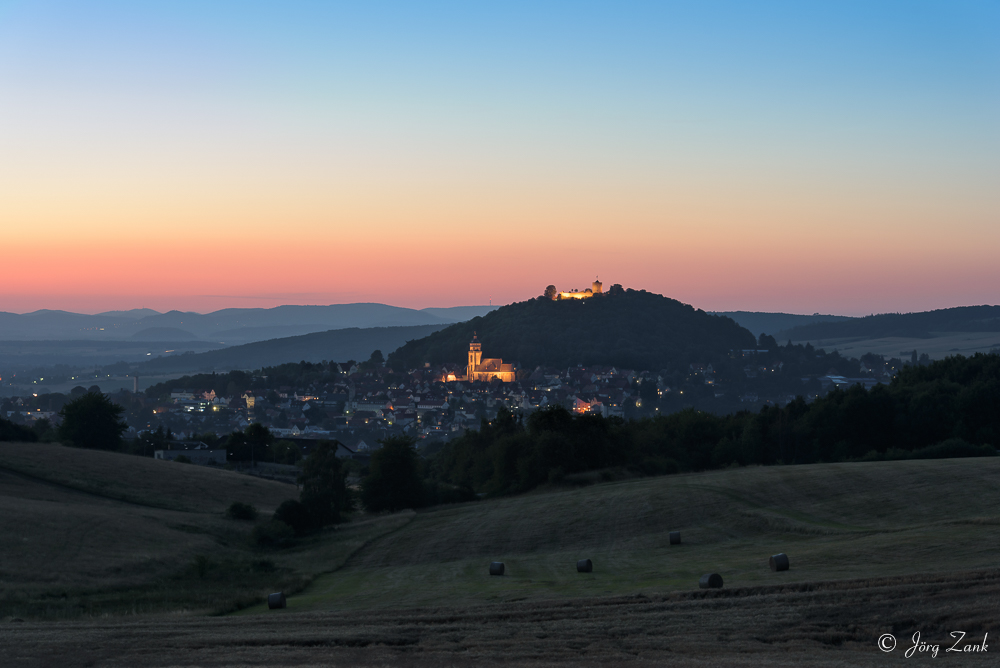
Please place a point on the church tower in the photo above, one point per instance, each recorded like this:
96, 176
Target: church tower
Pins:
475, 357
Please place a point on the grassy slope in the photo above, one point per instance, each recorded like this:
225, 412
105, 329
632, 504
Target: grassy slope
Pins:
113, 531
97, 532
835, 521
913, 528
139, 480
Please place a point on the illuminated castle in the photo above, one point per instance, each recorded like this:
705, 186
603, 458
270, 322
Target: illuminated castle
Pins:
595, 289
486, 369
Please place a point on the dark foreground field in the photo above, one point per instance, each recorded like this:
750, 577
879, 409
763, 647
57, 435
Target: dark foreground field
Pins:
113, 560
828, 624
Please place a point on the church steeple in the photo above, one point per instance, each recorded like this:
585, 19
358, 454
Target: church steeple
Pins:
475, 357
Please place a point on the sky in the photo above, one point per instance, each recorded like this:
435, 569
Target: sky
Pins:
833, 157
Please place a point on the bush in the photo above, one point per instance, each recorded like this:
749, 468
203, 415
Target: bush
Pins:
10, 431
953, 447
272, 534
296, 515
241, 511
436, 493
182, 459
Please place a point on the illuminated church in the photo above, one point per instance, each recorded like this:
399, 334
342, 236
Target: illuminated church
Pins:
486, 369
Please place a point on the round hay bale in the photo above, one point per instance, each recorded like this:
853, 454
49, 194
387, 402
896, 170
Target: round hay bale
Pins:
675, 537
584, 566
276, 601
710, 581
779, 562
496, 568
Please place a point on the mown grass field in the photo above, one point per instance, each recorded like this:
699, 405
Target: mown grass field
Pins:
98, 533
835, 521
874, 547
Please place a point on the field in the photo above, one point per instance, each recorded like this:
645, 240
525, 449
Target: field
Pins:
939, 346
882, 547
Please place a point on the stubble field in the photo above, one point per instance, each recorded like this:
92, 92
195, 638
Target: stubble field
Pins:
883, 547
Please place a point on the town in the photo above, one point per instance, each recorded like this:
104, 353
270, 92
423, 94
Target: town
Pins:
360, 404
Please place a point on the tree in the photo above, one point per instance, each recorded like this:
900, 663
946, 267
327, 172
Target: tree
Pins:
92, 421
296, 515
324, 490
393, 482
285, 452
550, 292
251, 444
767, 342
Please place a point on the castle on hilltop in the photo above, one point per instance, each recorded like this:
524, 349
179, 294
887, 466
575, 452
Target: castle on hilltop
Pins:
595, 288
486, 369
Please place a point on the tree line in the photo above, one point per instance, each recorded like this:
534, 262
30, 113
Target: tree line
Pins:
944, 409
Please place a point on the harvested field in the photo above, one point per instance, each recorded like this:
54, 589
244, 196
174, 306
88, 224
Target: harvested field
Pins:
835, 521
816, 624
881, 547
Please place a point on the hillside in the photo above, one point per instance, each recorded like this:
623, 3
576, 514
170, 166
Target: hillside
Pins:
90, 533
773, 323
633, 329
139, 480
925, 324
335, 345
874, 547
835, 521
85, 528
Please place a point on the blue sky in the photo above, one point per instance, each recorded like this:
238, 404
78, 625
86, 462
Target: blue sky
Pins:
684, 123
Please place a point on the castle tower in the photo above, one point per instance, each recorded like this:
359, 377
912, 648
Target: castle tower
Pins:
597, 287
475, 357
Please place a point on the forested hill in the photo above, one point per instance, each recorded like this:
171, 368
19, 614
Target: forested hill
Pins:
911, 325
630, 329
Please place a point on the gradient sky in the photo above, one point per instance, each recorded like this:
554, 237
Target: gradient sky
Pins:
839, 157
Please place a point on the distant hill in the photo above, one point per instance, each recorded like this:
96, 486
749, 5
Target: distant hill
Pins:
632, 329
232, 326
922, 325
459, 313
134, 314
772, 323
337, 345
163, 334
16, 356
